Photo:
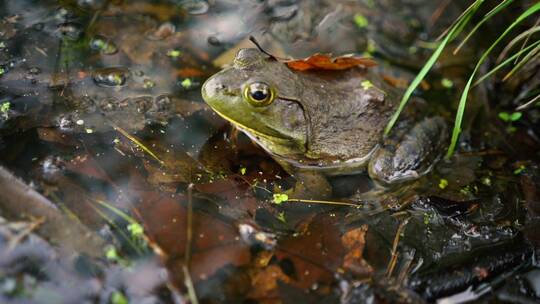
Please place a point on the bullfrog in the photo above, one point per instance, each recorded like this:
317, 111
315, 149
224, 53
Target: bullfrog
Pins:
317, 124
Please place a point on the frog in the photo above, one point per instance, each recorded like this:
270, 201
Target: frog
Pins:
319, 124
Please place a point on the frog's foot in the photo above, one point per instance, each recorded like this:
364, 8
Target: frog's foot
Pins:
411, 156
310, 185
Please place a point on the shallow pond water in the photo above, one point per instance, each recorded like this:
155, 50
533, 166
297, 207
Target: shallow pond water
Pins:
101, 114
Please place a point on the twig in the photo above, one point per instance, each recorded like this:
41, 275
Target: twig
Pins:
254, 41
527, 40
189, 285
21, 235
187, 255
333, 203
393, 259
402, 275
438, 12
528, 103
189, 228
137, 142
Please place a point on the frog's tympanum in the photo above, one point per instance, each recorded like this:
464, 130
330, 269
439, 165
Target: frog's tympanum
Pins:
322, 123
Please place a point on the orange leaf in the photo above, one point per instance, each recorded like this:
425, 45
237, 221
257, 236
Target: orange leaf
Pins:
325, 62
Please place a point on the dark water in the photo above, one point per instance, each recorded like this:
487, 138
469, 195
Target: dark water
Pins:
101, 113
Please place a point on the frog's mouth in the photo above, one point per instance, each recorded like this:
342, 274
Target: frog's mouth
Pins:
276, 136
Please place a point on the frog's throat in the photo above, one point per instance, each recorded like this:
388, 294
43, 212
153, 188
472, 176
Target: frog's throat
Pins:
330, 167
284, 141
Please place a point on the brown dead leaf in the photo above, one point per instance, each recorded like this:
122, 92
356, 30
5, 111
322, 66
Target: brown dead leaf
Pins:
189, 72
162, 12
326, 62
265, 277
266, 282
87, 166
215, 242
396, 82
316, 253
354, 241
55, 136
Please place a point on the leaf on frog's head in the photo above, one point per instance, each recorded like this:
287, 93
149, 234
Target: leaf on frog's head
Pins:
326, 62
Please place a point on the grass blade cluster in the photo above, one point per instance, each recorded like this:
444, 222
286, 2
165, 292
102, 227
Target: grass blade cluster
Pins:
456, 28
530, 52
463, 100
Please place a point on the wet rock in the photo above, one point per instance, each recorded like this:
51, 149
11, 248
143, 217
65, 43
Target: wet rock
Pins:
533, 278
162, 32
111, 77
51, 169
69, 30
195, 7
103, 45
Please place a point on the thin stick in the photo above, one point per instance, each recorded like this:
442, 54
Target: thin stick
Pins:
254, 41
333, 203
21, 235
393, 259
137, 142
187, 255
189, 229
403, 274
438, 12
528, 103
189, 285
527, 40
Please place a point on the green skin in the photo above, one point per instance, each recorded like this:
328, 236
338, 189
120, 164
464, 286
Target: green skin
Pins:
324, 122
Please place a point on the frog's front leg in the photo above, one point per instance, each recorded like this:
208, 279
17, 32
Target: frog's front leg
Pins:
310, 185
411, 154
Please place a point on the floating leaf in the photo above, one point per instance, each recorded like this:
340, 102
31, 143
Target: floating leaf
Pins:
366, 84
443, 183
118, 298
4, 107
360, 21
519, 170
280, 198
174, 53
447, 83
186, 83
326, 62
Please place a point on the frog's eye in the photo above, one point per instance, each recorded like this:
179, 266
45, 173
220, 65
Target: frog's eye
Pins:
259, 94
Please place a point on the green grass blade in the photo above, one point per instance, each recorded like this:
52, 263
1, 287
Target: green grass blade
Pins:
463, 100
460, 18
464, 18
488, 16
414, 84
507, 61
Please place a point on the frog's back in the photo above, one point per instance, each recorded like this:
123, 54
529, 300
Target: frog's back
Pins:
348, 111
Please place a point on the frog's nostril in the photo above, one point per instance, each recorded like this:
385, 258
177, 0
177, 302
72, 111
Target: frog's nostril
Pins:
211, 88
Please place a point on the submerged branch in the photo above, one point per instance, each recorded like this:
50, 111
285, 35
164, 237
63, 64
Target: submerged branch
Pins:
19, 201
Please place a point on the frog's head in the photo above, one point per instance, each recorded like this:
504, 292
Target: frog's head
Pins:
259, 95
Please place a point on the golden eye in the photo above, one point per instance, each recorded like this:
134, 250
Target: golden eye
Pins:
259, 94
